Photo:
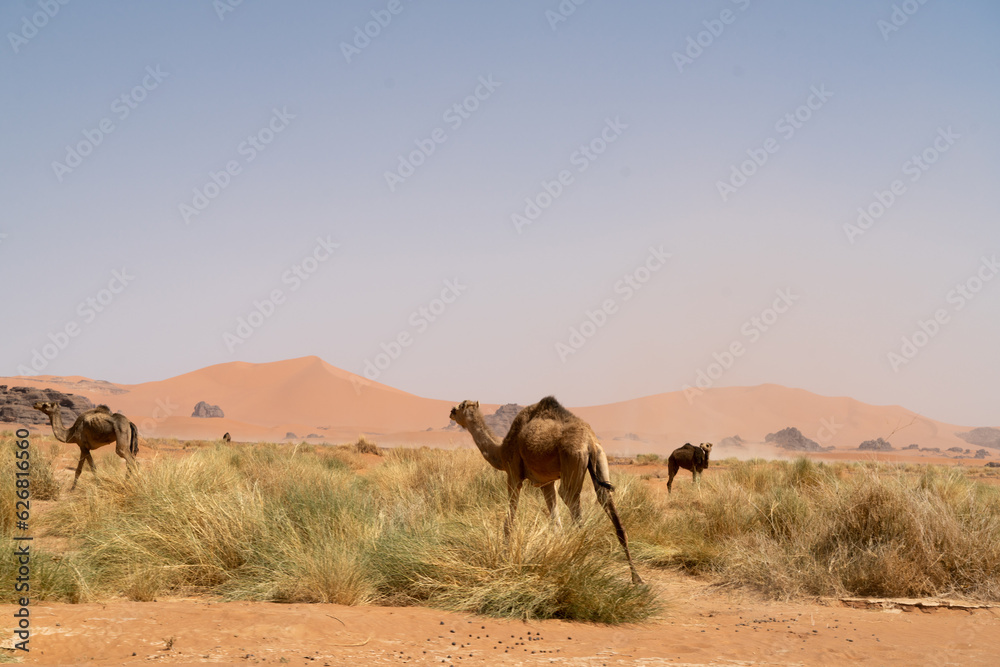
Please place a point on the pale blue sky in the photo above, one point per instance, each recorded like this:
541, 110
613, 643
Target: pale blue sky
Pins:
679, 134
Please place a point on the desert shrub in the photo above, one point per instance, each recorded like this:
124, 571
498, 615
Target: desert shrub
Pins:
366, 446
802, 528
268, 523
647, 459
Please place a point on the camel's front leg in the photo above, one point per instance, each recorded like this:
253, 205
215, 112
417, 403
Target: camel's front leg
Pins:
549, 491
79, 467
513, 492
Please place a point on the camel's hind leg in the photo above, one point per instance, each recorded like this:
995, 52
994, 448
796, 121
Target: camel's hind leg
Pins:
571, 484
549, 491
123, 445
672, 468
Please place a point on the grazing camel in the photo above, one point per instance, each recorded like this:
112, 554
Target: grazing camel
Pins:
690, 458
546, 442
226, 438
92, 429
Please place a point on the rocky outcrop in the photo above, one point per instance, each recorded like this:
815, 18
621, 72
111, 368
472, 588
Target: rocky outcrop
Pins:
732, 442
981, 454
791, 438
877, 445
16, 402
206, 411
982, 437
500, 421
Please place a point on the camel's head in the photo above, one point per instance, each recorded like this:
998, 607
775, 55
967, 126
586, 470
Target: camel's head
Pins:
707, 446
47, 408
463, 412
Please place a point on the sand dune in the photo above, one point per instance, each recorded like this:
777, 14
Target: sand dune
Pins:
309, 396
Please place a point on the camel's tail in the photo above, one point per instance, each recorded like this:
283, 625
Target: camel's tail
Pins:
133, 445
597, 465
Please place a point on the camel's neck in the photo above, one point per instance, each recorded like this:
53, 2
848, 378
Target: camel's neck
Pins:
58, 429
485, 440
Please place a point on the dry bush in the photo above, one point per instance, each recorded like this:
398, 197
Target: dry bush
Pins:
264, 523
366, 446
801, 528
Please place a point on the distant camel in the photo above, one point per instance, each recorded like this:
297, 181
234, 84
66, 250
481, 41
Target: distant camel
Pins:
92, 429
226, 439
545, 443
690, 458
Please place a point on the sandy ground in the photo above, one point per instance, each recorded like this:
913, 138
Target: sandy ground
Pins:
699, 626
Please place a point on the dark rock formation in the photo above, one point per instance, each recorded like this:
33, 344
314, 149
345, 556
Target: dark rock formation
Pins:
913, 446
500, 421
930, 449
957, 450
993, 464
290, 435
16, 402
791, 438
732, 442
982, 437
982, 454
877, 445
207, 411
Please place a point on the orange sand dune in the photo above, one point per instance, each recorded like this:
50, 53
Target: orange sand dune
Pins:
308, 396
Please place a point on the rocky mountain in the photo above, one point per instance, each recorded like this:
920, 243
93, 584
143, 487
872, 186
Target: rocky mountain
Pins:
16, 402
206, 411
792, 438
982, 437
500, 421
877, 445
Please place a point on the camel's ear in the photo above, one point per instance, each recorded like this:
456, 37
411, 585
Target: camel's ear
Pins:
476, 404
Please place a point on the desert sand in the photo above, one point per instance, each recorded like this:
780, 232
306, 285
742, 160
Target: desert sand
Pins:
699, 626
308, 396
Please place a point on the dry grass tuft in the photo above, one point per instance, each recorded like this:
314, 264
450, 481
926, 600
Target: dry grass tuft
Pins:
366, 446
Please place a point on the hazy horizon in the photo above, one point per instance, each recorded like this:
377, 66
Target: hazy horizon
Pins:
504, 202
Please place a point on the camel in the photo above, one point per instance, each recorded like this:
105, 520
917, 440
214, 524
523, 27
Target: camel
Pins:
226, 438
92, 429
690, 458
546, 442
